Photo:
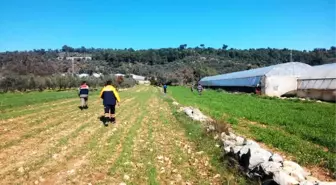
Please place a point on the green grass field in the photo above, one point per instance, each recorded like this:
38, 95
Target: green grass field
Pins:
12, 100
305, 130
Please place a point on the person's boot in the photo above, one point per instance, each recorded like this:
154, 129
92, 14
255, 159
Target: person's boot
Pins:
106, 120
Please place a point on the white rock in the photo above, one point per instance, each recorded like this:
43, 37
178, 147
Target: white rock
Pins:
227, 149
277, 158
232, 136
236, 149
327, 183
21, 170
282, 178
258, 155
41, 179
71, 171
228, 143
175, 103
270, 167
240, 141
178, 177
224, 136
126, 177
36, 182
307, 183
251, 143
295, 170
122, 183
55, 156
211, 128
312, 179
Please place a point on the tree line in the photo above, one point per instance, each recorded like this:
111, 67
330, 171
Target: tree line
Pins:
180, 65
25, 83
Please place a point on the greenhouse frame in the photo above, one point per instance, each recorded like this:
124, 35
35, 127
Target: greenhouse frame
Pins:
276, 80
319, 83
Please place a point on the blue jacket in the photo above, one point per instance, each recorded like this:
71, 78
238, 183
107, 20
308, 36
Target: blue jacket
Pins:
83, 90
109, 95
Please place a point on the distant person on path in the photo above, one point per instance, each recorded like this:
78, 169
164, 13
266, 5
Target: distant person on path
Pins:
165, 88
199, 89
110, 98
83, 93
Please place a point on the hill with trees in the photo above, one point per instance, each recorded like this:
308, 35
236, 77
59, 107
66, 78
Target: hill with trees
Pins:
178, 65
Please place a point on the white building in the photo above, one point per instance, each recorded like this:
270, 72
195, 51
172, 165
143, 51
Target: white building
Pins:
97, 75
78, 58
318, 83
275, 80
83, 75
138, 78
119, 74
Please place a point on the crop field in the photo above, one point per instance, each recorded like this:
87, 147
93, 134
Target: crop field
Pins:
303, 130
47, 139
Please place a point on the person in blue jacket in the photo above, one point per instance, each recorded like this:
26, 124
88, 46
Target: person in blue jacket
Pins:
83, 93
110, 98
165, 88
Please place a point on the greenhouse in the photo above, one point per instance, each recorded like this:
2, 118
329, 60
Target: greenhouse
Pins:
275, 80
318, 83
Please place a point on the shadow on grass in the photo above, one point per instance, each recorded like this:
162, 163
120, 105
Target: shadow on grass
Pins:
83, 108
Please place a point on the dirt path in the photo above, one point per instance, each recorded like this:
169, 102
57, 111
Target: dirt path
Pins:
147, 146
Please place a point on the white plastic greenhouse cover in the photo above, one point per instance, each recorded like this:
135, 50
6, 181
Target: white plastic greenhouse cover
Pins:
319, 77
250, 78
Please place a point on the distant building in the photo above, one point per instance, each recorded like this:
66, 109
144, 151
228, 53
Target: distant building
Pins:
97, 75
78, 58
74, 56
83, 75
119, 74
138, 78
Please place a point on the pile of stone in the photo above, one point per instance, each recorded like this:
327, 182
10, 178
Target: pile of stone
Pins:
260, 163
195, 114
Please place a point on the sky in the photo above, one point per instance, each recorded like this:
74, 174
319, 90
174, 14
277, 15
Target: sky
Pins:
143, 24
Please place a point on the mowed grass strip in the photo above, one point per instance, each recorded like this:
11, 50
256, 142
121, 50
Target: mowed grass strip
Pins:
37, 120
12, 100
297, 122
46, 124
92, 143
19, 104
26, 112
118, 167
